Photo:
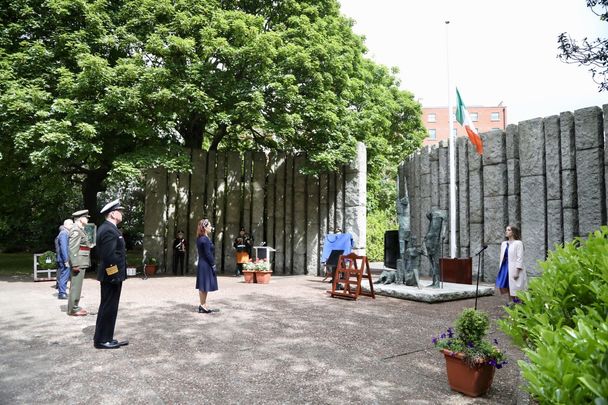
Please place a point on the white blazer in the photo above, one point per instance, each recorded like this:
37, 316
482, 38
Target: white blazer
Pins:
516, 260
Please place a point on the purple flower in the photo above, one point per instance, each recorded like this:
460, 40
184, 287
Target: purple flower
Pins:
495, 341
442, 336
498, 366
470, 345
434, 340
450, 332
493, 363
516, 300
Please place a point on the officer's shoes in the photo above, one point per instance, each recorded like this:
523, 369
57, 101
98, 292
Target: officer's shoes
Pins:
107, 345
62, 296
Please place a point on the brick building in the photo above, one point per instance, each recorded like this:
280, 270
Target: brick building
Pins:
437, 124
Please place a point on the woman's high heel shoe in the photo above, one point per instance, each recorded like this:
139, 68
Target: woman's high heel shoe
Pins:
202, 310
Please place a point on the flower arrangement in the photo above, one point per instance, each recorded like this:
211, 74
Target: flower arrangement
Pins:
151, 261
469, 338
258, 265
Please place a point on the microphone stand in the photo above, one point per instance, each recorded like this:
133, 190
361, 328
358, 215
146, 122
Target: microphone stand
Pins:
478, 254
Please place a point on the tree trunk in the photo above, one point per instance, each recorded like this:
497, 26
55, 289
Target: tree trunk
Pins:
193, 132
219, 135
93, 184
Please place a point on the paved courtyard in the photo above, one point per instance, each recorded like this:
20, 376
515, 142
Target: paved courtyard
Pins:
285, 342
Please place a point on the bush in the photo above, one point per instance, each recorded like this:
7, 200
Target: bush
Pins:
562, 324
378, 222
47, 260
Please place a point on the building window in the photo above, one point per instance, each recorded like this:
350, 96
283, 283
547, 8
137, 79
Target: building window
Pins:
432, 134
495, 116
431, 117
474, 117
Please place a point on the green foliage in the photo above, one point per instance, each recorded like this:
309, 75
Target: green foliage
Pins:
562, 324
378, 222
469, 338
12, 264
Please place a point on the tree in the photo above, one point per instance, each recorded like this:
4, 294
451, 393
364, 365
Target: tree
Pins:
592, 53
91, 89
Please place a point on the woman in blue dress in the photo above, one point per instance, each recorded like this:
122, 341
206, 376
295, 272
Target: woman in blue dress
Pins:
206, 279
511, 276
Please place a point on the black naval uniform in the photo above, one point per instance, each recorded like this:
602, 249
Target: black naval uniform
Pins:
111, 251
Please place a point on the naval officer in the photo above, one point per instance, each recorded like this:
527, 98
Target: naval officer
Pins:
111, 273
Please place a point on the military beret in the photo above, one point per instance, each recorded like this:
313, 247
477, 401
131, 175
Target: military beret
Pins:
81, 213
111, 206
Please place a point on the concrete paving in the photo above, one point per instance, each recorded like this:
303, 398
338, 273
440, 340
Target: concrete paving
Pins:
286, 342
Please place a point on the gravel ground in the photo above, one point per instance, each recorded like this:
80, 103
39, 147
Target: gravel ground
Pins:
284, 342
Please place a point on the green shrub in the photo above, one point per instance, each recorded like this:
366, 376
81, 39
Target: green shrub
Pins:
378, 222
562, 324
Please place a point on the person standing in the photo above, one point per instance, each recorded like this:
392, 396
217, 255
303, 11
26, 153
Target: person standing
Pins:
206, 278
80, 260
63, 258
112, 271
242, 244
512, 276
179, 253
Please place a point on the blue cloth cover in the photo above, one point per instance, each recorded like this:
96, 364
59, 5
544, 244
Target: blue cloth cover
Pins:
336, 241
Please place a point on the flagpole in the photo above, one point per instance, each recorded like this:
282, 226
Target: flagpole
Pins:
452, 151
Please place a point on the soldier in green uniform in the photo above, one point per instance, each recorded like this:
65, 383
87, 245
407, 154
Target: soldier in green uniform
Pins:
80, 259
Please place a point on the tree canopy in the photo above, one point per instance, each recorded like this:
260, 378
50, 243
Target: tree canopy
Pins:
91, 90
592, 53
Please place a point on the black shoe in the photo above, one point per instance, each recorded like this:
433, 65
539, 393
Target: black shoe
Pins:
121, 343
202, 310
106, 345
62, 296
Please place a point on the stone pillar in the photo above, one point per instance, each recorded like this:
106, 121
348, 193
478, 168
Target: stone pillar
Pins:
232, 219
197, 203
554, 184
155, 214
269, 211
289, 215
323, 210
533, 192
355, 198
415, 198
279, 217
589, 139
605, 108
463, 196
434, 179
444, 190
494, 199
170, 228
331, 201
220, 213
425, 201
257, 202
513, 177
247, 191
313, 257
299, 218
568, 176
339, 212
475, 201
209, 211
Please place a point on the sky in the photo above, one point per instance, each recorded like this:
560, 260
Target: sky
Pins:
499, 51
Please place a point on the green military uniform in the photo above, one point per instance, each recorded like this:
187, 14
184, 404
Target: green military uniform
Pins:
80, 257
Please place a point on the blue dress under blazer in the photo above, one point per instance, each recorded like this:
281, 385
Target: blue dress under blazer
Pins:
515, 259
206, 279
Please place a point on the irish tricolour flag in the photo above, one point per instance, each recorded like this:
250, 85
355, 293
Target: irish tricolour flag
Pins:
463, 117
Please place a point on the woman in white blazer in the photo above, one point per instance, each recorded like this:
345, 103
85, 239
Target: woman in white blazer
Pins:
512, 276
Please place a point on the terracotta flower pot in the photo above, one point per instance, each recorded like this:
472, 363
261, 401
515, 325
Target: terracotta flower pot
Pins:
249, 276
472, 381
150, 269
262, 277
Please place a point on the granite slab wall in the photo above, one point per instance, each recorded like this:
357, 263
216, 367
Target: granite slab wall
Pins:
268, 195
548, 176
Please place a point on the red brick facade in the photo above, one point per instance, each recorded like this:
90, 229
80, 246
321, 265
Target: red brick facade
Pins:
435, 120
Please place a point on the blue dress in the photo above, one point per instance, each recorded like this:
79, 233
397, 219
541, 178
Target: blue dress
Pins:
502, 280
206, 279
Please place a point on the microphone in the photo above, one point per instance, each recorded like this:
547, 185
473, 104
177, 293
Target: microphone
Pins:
484, 247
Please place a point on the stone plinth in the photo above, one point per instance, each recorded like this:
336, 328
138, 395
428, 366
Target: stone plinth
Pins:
449, 292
